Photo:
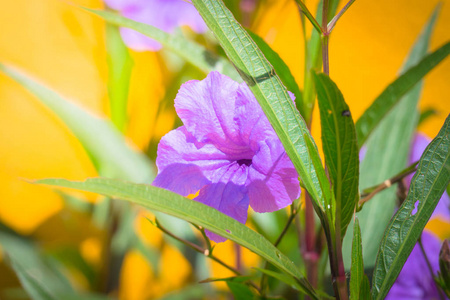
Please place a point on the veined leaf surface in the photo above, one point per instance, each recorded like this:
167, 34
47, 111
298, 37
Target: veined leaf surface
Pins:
404, 229
167, 202
340, 148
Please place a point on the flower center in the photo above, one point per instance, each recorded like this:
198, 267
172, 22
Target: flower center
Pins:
246, 162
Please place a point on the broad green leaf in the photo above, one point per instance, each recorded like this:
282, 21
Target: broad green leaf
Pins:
406, 226
167, 202
280, 68
190, 51
102, 141
267, 88
119, 73
395, 91
386, 154
340, 148
357, 268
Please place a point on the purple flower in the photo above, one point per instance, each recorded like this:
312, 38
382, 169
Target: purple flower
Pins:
163, 14
227, 150
415, 281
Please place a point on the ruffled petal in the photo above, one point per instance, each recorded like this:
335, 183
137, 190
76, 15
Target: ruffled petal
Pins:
184, 167
227, 194
252, 122
273, 181
207, 110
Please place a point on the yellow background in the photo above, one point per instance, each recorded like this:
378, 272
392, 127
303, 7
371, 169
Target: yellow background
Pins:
64, 48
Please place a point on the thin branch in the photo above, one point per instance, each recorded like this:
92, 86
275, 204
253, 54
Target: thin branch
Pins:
309, 15
291, 218
337, 17
294, 212
206, 252
369, 193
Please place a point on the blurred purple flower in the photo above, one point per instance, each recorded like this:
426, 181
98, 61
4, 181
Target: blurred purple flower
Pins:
227, 149
163, 14
415, 281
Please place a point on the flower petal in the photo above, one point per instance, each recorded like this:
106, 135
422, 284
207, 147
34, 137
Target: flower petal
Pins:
252, 122
207, 110
273, 181
227, 194
185, 167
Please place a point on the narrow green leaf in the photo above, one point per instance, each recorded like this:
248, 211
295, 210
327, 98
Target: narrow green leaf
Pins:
340, 148
394, 92
404, 229
104, 144
241, 291
167, 202
289, 280
190, 51
281, 69
387, 152
119, 73
329, 202
267, 88
357, 268
39, 278
364, 292
308, 14
102, 141
426, 114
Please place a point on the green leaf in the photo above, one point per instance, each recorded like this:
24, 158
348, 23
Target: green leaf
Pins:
364, 292
426, 114
357, 269
404, 229
104, 144
241, 291
281, 69
289, 280
190, 51
267, 88
329, 203
39, 278
102, 141
119, 73
387, 152
394, 92
340, 148
167, 202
